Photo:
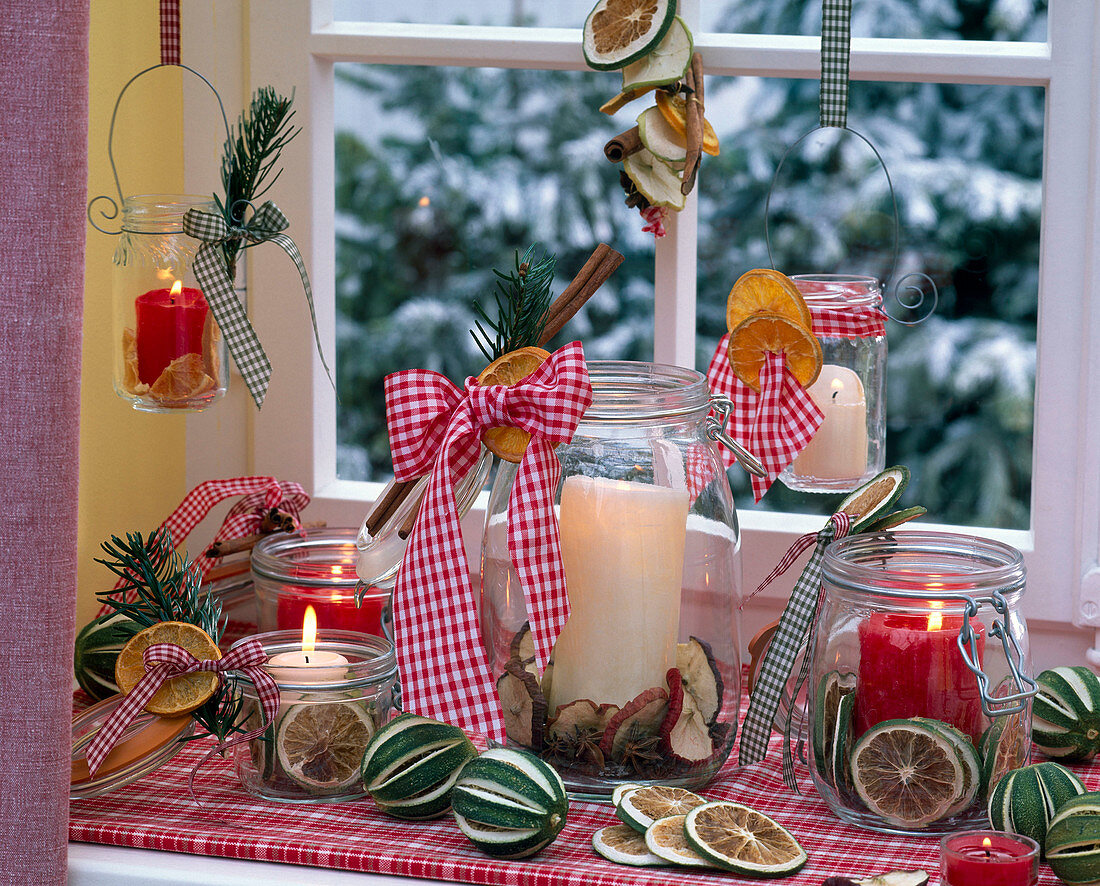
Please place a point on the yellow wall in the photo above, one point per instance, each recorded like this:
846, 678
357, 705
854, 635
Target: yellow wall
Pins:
131, 464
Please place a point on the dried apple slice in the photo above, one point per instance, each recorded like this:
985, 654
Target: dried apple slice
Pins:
685, 735
701, 678
638, 719
524, 706
523, 644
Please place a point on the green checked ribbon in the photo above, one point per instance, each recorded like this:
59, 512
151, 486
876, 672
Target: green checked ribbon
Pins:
836, 40
266, 225
792, 634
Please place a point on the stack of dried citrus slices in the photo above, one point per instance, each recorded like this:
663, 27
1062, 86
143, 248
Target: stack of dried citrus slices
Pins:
653, 48
766, 314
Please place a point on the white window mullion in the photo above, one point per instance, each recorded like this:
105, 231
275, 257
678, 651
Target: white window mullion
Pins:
674, 288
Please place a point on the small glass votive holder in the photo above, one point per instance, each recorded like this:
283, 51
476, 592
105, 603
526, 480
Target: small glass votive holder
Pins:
988, 858
332, 699
316, 567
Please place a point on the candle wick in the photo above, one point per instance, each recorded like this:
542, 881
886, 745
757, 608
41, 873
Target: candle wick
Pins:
307, 662
835, 393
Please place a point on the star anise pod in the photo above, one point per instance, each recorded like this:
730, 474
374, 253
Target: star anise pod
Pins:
641, 750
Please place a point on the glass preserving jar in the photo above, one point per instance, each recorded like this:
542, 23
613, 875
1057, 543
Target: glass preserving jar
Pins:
643, 684
170, 355
316, 567
850, 446
920, 692
331, 701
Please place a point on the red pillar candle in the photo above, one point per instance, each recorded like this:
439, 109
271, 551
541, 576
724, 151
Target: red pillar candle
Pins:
335, 608
910, 666
169, 325
988, 858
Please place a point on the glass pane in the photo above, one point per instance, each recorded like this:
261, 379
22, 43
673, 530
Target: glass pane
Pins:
441, 175
966, 165
515, 13
1024, 20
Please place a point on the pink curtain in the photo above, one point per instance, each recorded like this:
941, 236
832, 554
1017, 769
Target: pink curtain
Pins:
43, 176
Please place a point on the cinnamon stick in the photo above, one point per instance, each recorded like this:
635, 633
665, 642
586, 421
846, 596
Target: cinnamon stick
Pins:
601, 264
623, 145
246, 542
694, 81
393, 495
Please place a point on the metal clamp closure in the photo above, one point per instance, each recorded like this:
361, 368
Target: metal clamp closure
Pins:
1001, 705
716, 429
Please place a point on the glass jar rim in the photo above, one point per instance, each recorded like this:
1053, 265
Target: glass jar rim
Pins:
922, 565
160, 213
371, 659
270, 558
840, 290
630, 391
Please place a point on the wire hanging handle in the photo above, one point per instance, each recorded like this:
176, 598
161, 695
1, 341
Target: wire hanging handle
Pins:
113, 212
910, 296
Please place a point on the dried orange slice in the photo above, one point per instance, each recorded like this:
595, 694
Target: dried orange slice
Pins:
182, 379
674, 109
510, 443
177, 695
765, 333
763, 289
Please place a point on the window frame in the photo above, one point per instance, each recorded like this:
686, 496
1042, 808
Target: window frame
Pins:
295, 44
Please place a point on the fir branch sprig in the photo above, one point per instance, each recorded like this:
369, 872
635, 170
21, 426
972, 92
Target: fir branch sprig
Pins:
159, 584
163, 584
249, 160
522, 297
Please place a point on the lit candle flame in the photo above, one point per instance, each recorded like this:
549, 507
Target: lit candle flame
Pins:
986, 844
837, 386
177, 288
309, 629
935, 619
424, 201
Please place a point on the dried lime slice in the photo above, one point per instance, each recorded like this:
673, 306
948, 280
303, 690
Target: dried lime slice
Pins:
831, 688
321, 746
618, 32
642, 807
968, 757
667, 63
656, 180
622, 844
906, 772
665, 839
743, 840
871, 501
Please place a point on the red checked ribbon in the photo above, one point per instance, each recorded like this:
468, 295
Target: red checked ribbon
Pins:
169, 32
434, 426
258, 496
164, 660
777, 423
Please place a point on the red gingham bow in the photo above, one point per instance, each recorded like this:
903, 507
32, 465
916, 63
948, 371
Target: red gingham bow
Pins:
774, 424
164, 660
434, 425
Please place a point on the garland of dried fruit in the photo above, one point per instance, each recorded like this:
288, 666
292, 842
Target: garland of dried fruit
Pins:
653, 48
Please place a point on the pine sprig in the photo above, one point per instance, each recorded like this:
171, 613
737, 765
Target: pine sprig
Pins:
159, 584
522, 297
163, 584
249, 160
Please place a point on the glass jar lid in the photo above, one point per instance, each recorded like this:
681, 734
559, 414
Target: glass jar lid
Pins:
147, 743
630, 392
924, 566
839, 291
319, 558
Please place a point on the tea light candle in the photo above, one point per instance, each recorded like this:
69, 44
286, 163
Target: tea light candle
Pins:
988, 858
838, 451
307, 665
623, 551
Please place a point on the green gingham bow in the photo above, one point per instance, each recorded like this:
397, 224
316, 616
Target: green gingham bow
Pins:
266, 224
795, 626
836, 38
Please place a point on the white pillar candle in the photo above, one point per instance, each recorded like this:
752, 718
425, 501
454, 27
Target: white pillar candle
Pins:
838, 451
623, 552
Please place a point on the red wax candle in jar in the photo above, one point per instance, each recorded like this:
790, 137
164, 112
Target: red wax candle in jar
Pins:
988, 858
335, 608
910, 666
169, 325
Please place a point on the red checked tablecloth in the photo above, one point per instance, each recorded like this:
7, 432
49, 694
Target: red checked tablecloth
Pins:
157, 813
